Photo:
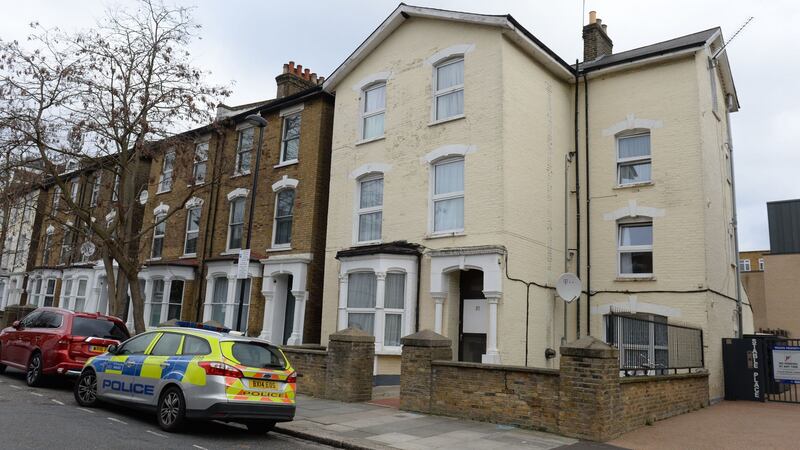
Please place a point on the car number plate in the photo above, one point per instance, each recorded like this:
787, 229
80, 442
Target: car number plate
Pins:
97, 348
261, 384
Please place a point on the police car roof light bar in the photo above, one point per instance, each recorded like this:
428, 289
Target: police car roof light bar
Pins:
201, 326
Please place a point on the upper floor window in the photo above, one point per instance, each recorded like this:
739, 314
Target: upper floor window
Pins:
159, 231
370, 208
115, 190
48, 242
448, 93
98, 179
56, 197
744, 265
236, 223
200, 162
635, 249
448, 196
633, 159
165, 181
244, 150
290, 143
192, 231
373, 111
74, 190
761, 264
67, 244
284, 212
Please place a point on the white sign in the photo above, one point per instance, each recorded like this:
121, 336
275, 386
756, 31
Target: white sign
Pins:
568, 287
243, 267
476, 316
786, 364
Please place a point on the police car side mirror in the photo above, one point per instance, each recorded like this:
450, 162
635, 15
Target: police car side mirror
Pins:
112, 349
16, 325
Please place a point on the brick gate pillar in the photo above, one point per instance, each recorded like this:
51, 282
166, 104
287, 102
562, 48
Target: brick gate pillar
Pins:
419, 350
590, 395
350, 362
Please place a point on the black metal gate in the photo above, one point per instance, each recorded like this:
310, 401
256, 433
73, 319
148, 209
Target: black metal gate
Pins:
783, 370
762, 368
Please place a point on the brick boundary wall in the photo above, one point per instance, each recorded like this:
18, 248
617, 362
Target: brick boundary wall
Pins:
311, 363
586, 398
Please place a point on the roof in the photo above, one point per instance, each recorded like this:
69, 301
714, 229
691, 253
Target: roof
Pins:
694, 40
389, 248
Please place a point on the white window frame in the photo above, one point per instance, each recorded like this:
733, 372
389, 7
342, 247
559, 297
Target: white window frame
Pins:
224, 302
48, 242
149, 301
744, 265
761, 264
442, 92
161, 217
284, 139
98, 179
200, 162
74, 296
189, 232
364, 115
69, 248
67, 285
231, 224
633, 248
115, 190
56, 197
373, 310
635, 159
166, 179
74, 188
240, 150
434, 198
359, 211
275, 219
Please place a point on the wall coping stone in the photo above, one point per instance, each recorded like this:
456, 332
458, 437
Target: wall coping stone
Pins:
351, 335
306, 351
657, 378
472, 365
425, 338
589, 347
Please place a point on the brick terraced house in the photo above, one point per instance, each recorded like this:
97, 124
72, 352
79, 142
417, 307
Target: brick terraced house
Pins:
205, 177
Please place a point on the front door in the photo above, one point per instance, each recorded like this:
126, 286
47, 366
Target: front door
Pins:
474, 318
288, 317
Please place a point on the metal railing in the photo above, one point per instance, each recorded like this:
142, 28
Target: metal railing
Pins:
651, 346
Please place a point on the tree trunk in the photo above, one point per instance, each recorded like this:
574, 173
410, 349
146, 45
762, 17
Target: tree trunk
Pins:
136, 299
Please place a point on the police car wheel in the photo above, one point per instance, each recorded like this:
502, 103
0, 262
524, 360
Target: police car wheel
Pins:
33, 376
86, 389
259, 426
171, 409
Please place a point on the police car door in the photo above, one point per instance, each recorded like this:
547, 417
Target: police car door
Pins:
115, 375
156, 368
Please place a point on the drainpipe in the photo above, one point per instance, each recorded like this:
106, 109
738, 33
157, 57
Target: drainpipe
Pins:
577, 209
734, 219
588, 209
567, 159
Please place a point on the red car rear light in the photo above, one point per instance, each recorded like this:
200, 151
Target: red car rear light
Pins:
292, 378
220, 369
63, 342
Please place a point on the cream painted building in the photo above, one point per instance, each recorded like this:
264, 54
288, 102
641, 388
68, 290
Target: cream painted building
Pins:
19, 233
453, 188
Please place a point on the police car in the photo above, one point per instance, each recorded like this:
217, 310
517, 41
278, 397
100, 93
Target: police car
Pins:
194, 371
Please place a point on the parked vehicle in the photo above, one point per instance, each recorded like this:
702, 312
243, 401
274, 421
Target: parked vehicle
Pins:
55, 341
194, 371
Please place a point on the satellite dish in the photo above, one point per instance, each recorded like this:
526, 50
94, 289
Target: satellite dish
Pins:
568, 287
88, 249
143, 196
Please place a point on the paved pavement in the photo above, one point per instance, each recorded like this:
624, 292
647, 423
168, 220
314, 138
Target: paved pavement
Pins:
48, 418
728, 425
361, 425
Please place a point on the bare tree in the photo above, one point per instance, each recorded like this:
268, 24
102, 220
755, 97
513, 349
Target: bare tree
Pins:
104, 97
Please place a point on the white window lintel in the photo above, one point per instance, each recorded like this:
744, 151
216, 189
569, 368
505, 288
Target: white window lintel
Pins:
449, 52
284, 183
448, 150
236, 193
370, 168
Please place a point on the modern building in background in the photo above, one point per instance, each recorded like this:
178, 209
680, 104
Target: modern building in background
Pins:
772, 277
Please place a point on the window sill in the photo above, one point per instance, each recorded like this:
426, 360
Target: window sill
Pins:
188, 256
635, 278
279, 249
449, 119
365, 243
286, 164
372, 139
153, 259
391, 351
634, 185
237, 175
163, 192
229, 252
445, 235
190, 185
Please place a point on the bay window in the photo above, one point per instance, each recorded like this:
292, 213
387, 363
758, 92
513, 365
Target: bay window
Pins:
373, 111
156, 300
362, 288
635, 249
175, 300
633, 159
80, 295
376, 304
449, 89
394, 304
370, 208
219, 300
448, 196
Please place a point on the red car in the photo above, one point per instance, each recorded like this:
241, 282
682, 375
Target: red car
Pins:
57, 341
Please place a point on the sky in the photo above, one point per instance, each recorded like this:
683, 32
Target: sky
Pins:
246, 43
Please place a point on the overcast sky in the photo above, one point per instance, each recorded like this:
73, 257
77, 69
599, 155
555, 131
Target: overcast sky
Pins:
247, 43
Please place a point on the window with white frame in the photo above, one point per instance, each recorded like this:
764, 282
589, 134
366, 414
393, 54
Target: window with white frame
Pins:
80, 295
373, 111
284, 213
290, 142
159, 231
175, 300
165, 180
448, 95
192, 230
219, 300
244, 150
635, 249
245, 306
236, 223
48, 242
744, 265
393, 308
74, 190
200, 162
115, 190
365, 309
761, 264
448, 196
362, 289
156, 300
220, 307
56, 197
165, 305
35, 291
49, 293
633, 159
370, 208
98, 179
644, 341
67, 244
66, 292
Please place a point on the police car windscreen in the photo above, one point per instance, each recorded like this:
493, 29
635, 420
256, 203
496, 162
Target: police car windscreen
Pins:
104, 329
257, 355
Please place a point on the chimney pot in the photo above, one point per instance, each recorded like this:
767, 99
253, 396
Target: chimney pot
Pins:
598, 21
299, 69
291, 66
307, 74
592, 16
605, 27
285, 68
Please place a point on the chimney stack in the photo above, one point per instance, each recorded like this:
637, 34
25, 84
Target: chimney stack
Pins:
295, 79
596, 42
